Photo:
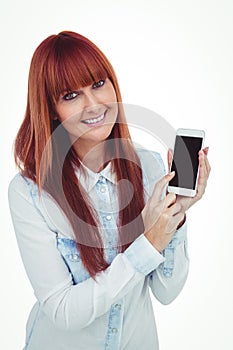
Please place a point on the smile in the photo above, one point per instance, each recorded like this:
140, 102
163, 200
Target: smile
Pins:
94, 120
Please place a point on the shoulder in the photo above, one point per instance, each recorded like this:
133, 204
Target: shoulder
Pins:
22, 192
21, 186
153, 168
25, 202
150, 160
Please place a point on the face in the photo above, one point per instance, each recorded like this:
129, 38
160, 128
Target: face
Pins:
89, 114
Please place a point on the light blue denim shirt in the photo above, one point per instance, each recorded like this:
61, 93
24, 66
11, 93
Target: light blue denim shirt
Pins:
73, 311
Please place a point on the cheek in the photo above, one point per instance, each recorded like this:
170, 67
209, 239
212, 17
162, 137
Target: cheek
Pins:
115, 110
69, 119
113, 96
68, 115
110, 94
112, 101
61, 113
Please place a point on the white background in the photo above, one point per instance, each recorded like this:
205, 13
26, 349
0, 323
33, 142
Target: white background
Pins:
174, 57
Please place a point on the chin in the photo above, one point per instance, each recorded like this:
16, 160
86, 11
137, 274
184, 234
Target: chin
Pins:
99, 134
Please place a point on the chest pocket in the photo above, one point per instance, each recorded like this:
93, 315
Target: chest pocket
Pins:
68, 249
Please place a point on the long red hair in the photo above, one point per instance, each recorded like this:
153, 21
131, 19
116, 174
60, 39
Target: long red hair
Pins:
66, 62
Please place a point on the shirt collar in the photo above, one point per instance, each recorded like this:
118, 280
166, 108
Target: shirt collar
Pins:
89, 180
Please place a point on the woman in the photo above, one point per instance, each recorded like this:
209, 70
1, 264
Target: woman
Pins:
91, 247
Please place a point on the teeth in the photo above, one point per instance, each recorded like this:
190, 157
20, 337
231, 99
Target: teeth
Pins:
95, 120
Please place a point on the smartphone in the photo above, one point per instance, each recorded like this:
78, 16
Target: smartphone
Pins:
185, 162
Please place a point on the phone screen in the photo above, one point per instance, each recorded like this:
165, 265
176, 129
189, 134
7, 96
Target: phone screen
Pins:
185, 161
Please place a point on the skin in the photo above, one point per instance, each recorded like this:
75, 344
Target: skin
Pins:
89, 102
161, 217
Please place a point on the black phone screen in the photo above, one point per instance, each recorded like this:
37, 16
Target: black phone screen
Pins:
185, 161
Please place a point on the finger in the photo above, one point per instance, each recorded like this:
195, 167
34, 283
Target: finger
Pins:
169, 158
202, 170
202, 177
207, 164
204, 165
201, 163
169, 200
202, 180
208, 168
158, 190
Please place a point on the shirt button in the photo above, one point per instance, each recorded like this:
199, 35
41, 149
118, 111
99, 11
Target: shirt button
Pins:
74, 257
114, 330
118, 306
102, 189
108, 217
168, 274
101, 178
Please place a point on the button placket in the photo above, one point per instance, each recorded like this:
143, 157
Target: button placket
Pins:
108, 213
103, 189
114, 330
115, 324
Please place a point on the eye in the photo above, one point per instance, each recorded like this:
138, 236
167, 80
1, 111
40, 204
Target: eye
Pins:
98, 84
70, 95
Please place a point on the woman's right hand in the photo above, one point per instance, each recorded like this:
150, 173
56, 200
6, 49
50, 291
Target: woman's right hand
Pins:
161, 217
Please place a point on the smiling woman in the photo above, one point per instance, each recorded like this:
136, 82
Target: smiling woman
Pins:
93, 234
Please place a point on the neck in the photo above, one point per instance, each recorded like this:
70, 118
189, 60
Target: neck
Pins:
92, 156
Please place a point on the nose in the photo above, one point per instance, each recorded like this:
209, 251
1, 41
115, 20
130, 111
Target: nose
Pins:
91, 103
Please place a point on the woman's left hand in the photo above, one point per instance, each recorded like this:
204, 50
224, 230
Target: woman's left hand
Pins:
204, 171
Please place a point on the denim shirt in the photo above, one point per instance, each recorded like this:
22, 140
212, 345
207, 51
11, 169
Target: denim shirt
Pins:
74, 311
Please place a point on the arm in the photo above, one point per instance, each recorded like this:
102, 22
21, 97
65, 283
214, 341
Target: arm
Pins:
71, 306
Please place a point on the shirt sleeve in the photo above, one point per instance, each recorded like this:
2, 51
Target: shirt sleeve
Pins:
69, 306
167, 281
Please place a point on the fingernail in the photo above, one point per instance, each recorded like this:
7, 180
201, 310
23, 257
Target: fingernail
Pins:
172, 173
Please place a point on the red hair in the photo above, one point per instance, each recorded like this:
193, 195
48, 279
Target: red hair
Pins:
66, 62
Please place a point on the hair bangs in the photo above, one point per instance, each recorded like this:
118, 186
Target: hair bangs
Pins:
73, 67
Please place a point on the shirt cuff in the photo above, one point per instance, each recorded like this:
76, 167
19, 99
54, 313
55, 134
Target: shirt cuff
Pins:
169, 252
143, 256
